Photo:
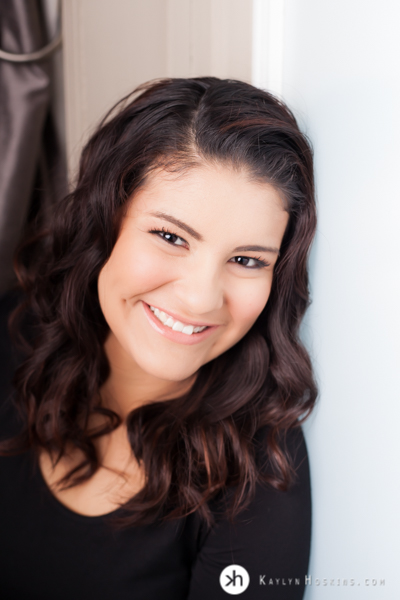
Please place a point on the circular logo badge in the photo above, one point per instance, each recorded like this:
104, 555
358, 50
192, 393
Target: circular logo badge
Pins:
234, 579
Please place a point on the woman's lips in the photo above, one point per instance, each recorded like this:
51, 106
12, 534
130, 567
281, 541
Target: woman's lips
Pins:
183, 321
177, 336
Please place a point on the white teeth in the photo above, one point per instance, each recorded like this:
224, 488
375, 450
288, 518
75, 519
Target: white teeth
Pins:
160, 315
175, 325
188, 329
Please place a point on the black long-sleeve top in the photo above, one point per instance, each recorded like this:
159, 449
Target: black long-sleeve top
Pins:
49, 552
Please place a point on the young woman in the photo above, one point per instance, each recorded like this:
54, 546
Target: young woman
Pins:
152, 445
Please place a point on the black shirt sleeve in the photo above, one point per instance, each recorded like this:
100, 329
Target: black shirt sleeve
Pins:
270, 539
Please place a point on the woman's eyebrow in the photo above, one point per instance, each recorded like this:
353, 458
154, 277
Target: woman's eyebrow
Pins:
197, 236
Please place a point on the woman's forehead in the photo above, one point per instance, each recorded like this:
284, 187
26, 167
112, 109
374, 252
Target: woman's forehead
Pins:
213, 187
212, 199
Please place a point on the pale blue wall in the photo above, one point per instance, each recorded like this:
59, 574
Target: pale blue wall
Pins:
341, 74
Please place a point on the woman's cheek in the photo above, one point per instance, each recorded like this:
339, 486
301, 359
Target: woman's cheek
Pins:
142, 269
250, 301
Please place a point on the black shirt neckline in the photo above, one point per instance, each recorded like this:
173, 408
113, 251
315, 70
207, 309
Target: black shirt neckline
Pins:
63, 508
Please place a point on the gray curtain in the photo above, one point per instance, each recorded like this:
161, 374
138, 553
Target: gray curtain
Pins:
32, 162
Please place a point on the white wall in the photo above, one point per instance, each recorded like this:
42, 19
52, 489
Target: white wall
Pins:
341, 76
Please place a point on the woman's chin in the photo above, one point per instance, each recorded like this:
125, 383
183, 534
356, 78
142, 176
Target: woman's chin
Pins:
178, 377
168, 370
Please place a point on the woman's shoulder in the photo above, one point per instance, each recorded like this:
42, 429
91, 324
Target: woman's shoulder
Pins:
270, 538
10, 358
9, 353
292, 506
8, 301
267, 495
293, 441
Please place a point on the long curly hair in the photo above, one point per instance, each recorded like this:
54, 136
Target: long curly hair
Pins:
203, 443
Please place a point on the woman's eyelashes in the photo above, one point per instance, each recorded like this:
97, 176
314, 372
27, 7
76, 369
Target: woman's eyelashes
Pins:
244, 261
170, 237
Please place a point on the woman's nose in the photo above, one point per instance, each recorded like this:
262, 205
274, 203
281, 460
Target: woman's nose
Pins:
199, 290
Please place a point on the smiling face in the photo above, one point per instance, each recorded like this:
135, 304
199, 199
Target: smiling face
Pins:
195, 250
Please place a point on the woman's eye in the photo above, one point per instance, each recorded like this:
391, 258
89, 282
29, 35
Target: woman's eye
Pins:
250, 263
169, 237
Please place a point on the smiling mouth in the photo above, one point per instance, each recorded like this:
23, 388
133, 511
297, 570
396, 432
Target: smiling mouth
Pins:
175, 325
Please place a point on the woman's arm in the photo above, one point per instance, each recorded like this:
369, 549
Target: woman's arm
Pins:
270, 539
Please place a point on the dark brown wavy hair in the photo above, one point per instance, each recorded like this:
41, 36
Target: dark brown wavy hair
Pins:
203, 443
